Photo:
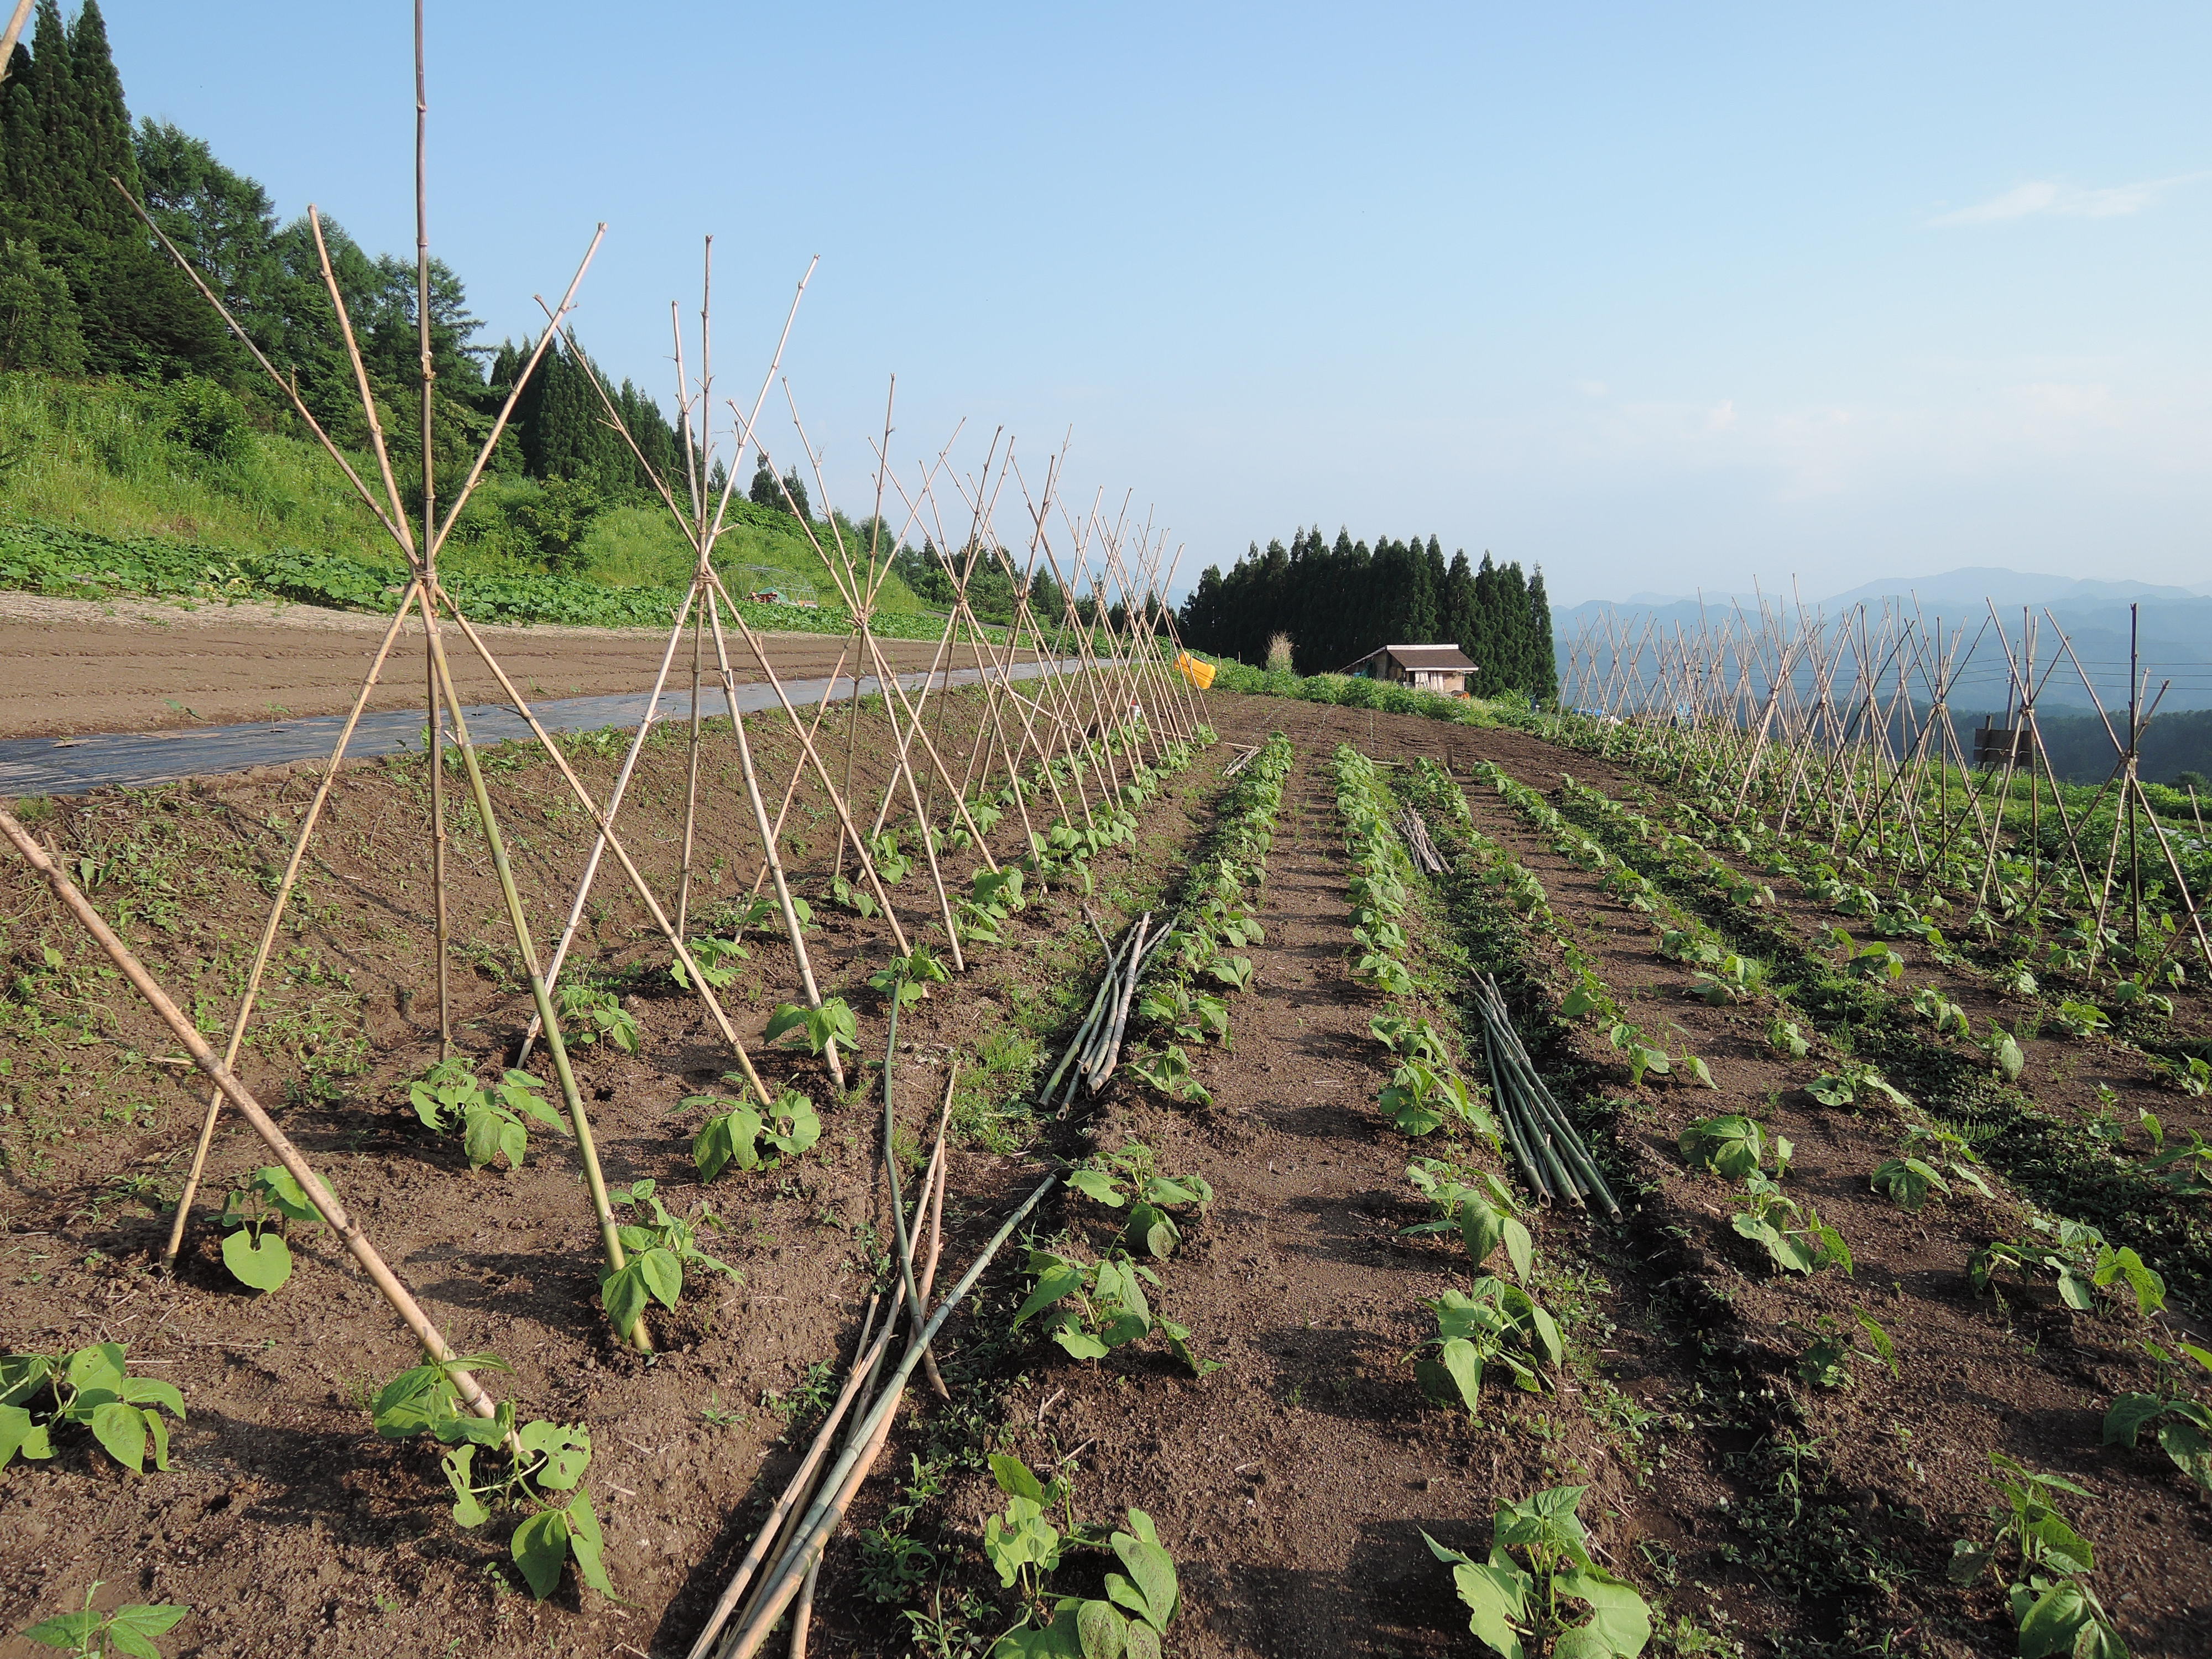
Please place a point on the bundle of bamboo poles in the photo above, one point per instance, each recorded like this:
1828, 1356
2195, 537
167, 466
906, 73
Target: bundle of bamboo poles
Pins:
1413, 830
1553, 1158
1094, 1049
815, 1499
1243, 759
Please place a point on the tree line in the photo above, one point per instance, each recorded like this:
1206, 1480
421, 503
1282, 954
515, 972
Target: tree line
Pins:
85, 289
1340, 600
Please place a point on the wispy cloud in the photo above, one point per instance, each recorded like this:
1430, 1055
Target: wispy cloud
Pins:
2059, 199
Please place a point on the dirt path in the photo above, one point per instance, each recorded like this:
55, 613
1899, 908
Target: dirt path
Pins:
69, 666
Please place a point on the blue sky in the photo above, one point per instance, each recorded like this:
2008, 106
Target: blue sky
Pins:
1659, 297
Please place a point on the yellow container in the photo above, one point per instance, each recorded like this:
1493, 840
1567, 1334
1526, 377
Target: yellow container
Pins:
1200, 674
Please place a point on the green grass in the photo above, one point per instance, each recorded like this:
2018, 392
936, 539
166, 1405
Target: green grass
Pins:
104, 501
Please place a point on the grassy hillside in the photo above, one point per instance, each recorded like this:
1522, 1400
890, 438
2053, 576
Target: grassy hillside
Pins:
115, 489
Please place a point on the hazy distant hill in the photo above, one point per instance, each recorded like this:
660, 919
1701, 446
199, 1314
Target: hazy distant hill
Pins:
2174, 638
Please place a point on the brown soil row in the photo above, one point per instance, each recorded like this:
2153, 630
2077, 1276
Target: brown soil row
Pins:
284, 1521
1905, 1455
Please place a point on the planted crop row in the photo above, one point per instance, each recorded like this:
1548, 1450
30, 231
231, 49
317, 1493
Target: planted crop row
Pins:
2035, 900
1540, 1579
1965, 1087
2050, 1596
1090, 1308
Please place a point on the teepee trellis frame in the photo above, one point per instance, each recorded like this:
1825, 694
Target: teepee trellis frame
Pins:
424, 595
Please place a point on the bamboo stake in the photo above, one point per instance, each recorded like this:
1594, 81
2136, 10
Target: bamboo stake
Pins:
183, 1215
610, 1244
864, 1360
356, 1243
783, 1581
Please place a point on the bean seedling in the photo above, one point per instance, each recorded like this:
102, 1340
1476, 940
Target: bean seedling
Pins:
2184, 1422
255, 1219
90, 1387
1092, 1310
1506, 1600
1484, 1327
522, 1466
659, 1250
1024, 1545
737, 1131
490, 1116
89, 1635
2056, 1612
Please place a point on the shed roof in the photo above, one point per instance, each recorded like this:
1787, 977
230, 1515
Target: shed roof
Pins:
1436, 659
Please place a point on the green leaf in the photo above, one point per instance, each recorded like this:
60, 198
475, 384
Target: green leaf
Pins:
540, 1548
132, 1629
1097, 1185
1015, 1477
481, 1139
70, 1629
123, 1429
623, 1294
2189, 1446
2124, 1264
1152, 1573
99, 1366
2127, 1415
1056, 1282
2054, 1621
1079, 1343
663, 1274
1620, 1621
18, 1433
261, 1264
587, 1544
566, 1448
1455, 1375
1520, 1250
460, 1464
1103, 1632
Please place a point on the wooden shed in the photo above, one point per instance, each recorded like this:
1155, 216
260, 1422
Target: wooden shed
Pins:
1443, 668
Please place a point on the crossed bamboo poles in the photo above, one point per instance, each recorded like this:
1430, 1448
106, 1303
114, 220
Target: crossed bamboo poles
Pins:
706, 602
1851, 719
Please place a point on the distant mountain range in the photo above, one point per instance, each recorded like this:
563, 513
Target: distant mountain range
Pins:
2173, 636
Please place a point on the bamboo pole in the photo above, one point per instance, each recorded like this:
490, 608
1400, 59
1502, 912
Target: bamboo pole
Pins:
387, 1283
555, 1049
181, 1218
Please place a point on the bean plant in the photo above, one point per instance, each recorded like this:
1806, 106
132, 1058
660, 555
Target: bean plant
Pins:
1031, 1539
659, 1250
2180, 1415
1131, 1176
738, 1131
490, 1116
1538, 1576
255, 1219
2043, 1565
89, 1387
129, 1629
1092, 1308
496, 1465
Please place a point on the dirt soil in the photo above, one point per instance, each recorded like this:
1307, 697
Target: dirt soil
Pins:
284, 1519
1290, 1486
73, 666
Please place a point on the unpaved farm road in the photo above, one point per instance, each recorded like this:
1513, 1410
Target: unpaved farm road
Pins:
136, 692
73, 666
